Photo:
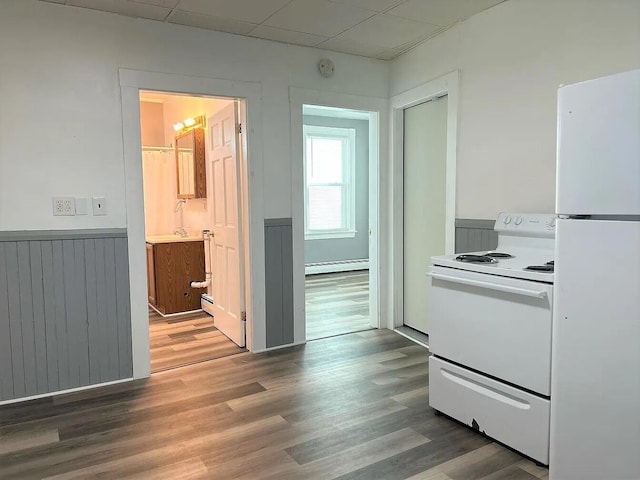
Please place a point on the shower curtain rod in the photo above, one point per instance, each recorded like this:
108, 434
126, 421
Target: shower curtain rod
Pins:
160, 149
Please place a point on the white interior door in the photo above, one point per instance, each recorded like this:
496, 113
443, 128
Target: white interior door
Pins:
425, 159
227, 285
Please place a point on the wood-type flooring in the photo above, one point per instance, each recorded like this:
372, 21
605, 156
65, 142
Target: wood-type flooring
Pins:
348, 407
184, 339
337, 303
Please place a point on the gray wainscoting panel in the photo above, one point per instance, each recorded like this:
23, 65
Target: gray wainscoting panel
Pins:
278, 243
65, 317
473, 235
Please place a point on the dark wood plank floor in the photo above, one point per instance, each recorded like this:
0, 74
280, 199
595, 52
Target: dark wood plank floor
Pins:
349, 407
185, 339
337, 303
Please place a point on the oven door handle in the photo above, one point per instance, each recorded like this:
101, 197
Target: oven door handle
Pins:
492, 286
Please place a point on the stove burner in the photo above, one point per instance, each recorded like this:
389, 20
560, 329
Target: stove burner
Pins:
498, 255
548, 268
475, 259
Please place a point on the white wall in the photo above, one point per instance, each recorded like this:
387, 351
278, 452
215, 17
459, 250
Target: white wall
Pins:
512, 58
60, 114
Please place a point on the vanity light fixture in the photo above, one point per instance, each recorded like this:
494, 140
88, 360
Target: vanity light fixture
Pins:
189, 124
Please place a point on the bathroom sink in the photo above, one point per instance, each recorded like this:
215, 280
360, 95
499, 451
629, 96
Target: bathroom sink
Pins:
173, 238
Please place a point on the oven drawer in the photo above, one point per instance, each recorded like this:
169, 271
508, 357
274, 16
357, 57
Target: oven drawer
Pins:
497, 325
509, 415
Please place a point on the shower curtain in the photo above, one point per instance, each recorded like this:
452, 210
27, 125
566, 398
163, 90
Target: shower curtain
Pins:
159, 172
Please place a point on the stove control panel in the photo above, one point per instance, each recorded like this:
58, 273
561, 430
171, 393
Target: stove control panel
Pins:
534, 224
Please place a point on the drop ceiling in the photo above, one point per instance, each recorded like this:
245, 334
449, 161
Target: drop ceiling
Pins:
380, 29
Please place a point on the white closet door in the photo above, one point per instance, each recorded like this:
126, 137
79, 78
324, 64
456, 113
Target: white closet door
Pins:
425, 155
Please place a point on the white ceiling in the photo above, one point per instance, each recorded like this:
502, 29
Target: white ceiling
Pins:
372, 28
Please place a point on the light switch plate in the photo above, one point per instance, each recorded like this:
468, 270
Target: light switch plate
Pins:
82, 206
99, 206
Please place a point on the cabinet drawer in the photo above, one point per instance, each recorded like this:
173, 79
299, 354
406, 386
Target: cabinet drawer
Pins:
507, 414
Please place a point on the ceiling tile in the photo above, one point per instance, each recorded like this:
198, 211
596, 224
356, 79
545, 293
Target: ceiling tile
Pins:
287, 36
318, 17
373, 28
441, 12
210, 23
375, 5
388, 31
251, 11
160, 3
388, 55
124, 7
354, 48
409, 45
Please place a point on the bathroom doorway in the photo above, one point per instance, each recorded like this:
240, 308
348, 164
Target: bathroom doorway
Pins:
193, 208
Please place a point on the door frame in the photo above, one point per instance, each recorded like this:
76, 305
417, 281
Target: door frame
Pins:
131, 82
446, 85
378, 111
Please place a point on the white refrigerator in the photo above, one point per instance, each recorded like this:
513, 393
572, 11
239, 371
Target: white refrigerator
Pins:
595, 377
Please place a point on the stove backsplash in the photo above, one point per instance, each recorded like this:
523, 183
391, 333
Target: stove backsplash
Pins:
473, 235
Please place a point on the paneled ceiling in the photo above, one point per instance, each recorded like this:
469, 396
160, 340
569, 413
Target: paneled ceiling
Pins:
372, 28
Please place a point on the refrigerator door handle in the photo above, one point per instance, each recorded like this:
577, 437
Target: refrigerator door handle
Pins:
492, 286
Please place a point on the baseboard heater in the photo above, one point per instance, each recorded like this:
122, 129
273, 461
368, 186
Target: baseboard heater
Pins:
206, 302
336, 266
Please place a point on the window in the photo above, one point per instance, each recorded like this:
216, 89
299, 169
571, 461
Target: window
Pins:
329, 193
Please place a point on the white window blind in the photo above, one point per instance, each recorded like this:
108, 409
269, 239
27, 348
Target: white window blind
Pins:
329, 161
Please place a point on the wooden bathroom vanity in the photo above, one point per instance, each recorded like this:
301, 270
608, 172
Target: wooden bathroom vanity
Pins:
172, 264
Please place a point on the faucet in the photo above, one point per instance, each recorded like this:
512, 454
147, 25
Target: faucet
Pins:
181, 231
179, 204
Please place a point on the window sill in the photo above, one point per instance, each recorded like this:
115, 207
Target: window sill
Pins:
329, 235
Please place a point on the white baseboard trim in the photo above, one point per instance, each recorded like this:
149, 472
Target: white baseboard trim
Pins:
63, 392
413, 339
338, 266
278, 347
170, 315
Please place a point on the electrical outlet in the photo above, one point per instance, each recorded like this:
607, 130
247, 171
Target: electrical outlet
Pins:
64, 206
99, 206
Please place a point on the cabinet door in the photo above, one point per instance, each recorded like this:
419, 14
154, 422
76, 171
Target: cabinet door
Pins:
192, 260
151, 275
176, 266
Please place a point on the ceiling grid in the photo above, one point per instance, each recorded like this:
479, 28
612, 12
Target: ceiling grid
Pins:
381, 29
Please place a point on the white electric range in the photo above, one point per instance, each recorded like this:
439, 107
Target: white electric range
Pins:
490, 337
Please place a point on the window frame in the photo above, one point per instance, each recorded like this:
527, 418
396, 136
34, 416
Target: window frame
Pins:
348, 138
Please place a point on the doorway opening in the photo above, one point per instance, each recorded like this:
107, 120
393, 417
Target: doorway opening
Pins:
193, 180
338, 205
